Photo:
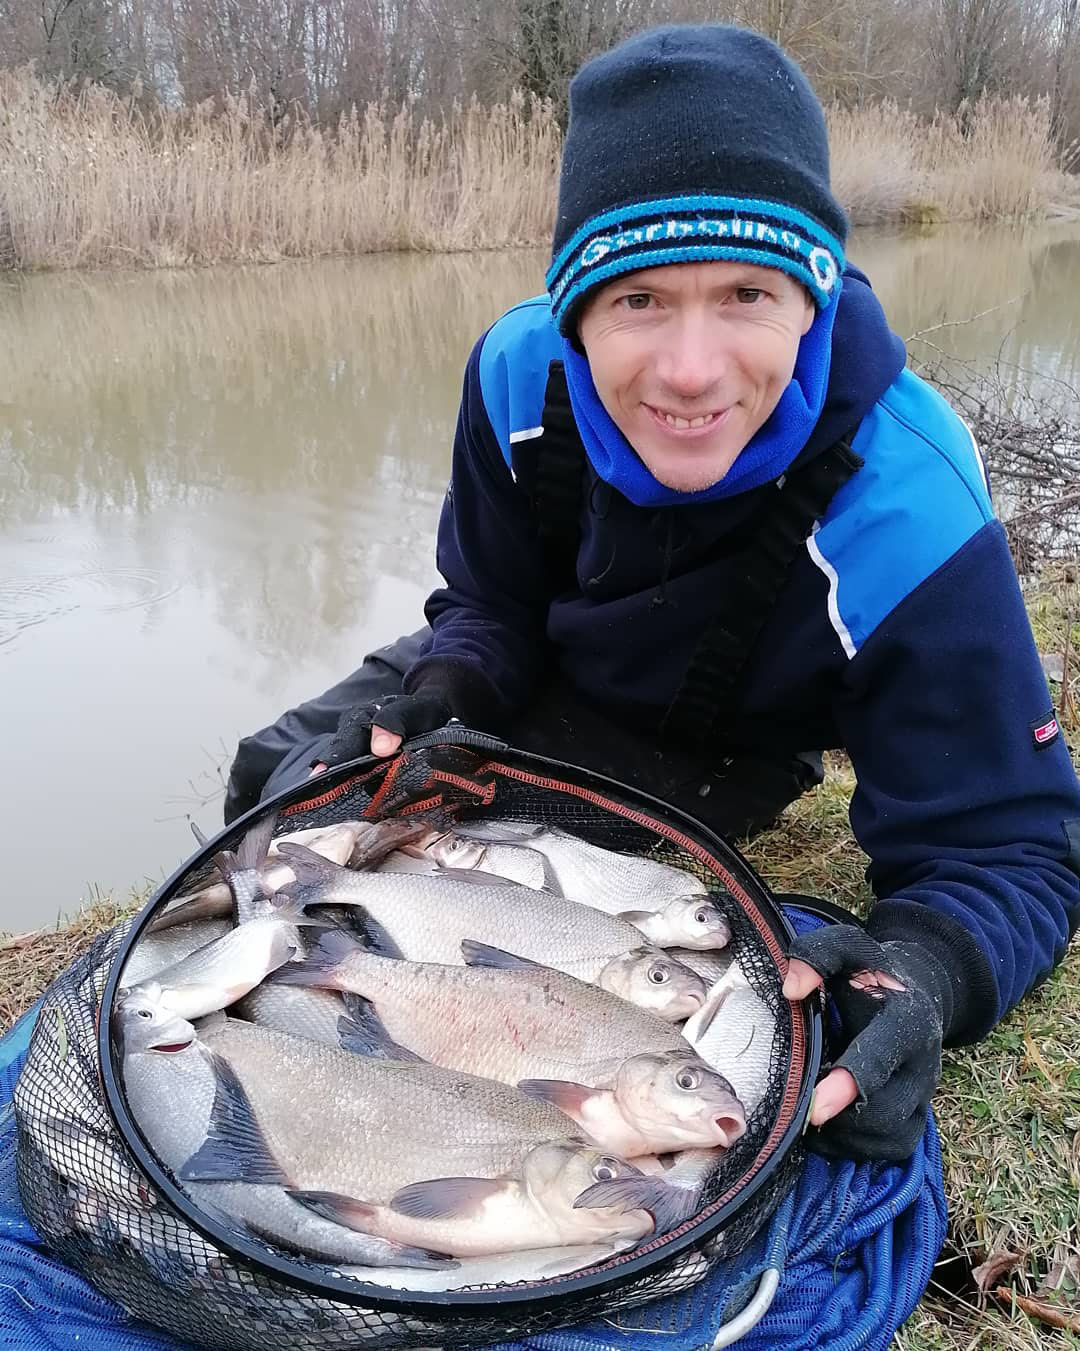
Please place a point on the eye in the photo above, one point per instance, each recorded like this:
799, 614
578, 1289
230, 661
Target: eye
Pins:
637, 300
749, 295
607, 1170
144, 1013
658, 975
702, 916
688, 1079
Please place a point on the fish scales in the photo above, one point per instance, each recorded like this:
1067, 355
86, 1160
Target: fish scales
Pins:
428, 916
588, 873
315, 1104
525, 1022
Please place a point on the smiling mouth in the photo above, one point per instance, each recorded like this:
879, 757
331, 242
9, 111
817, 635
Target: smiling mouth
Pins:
673, 422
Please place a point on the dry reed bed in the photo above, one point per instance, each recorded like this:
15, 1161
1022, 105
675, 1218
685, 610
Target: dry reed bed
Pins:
88, 179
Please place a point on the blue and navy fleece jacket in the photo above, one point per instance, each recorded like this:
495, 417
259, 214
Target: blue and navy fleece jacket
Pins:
900, 636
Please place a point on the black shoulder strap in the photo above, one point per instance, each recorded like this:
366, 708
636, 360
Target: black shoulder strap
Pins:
557, 483
699, 711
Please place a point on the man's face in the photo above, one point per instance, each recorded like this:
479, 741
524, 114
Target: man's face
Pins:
689, 359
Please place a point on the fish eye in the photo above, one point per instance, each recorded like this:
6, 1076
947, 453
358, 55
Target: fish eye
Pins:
702, 916
607, 1170
144, 1013
659, 975
688, 1078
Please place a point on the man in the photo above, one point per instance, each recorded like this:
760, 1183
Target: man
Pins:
702, 524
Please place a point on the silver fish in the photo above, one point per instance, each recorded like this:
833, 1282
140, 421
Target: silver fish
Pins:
82, 1154
178, 1092
215, 976
627, 1077
734, 1032
447, 1161
670, 907
450, 849
156, 951
426, 919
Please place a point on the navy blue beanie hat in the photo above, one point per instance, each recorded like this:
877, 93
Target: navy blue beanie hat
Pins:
688, 144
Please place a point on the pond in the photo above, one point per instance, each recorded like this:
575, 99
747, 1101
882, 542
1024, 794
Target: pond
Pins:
219, 489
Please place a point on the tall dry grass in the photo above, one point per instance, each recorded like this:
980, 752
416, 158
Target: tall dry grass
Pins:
994, 160
87, 179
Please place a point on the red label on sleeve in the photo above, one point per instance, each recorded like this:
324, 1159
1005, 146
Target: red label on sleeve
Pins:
1045, 732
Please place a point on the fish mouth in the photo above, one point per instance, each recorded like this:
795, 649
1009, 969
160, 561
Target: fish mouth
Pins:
731, 1127
170, 1047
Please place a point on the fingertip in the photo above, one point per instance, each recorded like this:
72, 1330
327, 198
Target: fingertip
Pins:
835, 1092
384, 742
801, 980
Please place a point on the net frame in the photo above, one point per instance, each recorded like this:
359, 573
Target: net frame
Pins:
470, 776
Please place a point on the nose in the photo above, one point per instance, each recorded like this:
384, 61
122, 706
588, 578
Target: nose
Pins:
691, 360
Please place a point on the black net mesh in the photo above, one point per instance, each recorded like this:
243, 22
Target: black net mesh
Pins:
85, 1193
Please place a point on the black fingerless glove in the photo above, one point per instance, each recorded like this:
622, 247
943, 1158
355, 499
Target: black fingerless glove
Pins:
407, 715
437, 691
892, 1040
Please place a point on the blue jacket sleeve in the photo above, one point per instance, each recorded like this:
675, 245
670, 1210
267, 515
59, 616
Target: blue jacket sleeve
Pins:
971, 821
489, 620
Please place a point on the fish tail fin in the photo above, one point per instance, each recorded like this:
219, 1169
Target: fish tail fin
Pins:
255, 845
320, 966
228, 865
309, 867
669, 1206
380, 838
293, 910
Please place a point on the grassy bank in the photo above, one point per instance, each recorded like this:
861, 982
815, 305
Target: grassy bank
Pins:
1008, 1110
88, 180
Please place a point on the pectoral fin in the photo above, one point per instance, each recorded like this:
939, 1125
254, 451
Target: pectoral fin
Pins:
358, 1216
446, 1198
564, 1094
636, 917
669, 1206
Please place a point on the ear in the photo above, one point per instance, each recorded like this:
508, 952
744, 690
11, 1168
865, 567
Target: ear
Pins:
810, 314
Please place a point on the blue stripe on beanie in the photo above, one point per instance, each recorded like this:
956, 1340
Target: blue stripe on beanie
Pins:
695, 229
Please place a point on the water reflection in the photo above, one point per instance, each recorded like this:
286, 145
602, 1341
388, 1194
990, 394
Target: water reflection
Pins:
982, 294
218, 489
285, 416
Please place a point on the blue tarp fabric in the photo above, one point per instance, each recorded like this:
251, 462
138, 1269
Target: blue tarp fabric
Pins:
860, 1244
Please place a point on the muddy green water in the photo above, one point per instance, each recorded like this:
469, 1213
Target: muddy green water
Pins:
219, 489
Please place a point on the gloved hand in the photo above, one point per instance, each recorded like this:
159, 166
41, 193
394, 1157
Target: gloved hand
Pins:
894, 999
403, 715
